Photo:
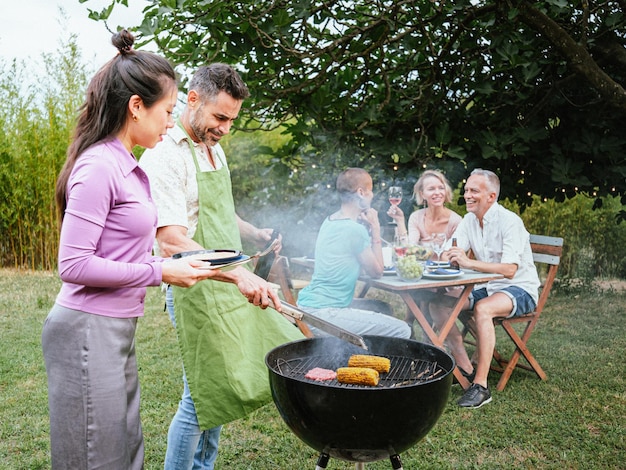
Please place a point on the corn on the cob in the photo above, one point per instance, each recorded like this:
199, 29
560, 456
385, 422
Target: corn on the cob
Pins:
357, 376
378, 363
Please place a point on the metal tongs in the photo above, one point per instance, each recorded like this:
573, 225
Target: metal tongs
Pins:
326, 327
267, 249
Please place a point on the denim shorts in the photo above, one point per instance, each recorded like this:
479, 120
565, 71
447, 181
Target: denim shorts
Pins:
522, 301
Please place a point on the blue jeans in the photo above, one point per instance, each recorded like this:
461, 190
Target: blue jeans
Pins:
188, 446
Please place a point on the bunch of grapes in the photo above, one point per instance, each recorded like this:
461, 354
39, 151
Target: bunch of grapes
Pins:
409, 267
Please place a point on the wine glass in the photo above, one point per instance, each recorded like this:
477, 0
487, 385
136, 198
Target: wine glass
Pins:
438, 243
395, 198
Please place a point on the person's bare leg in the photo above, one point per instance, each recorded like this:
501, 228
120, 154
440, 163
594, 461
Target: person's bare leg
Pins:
454, 340
496, 305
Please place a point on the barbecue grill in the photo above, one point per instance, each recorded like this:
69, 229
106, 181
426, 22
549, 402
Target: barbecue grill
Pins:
360, 423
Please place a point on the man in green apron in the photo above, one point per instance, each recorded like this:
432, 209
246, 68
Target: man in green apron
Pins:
223, 337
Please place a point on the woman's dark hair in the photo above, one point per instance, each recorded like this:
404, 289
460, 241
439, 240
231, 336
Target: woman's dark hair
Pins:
105, 110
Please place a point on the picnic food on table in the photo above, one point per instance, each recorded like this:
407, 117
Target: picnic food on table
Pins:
378, 363
419, 252
409, 262
357, 375
409, 267
321, 374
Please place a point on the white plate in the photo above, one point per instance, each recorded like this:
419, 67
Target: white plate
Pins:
389, 271
450, 274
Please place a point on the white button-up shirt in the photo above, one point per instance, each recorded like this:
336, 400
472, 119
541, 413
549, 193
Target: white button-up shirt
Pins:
502, 239
172, 174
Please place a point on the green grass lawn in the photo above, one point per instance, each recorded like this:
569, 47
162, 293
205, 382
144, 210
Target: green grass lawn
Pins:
575, 420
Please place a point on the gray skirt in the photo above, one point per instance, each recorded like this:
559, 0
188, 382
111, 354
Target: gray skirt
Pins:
93, 391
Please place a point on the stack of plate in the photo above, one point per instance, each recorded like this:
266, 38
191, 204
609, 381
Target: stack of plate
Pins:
440, 270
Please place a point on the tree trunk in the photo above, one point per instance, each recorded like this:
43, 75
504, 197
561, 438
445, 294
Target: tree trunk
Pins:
577, 56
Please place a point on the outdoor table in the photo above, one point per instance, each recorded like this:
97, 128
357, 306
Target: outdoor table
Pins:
407, 290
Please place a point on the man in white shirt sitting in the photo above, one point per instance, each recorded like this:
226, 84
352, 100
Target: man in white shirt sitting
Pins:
500, 244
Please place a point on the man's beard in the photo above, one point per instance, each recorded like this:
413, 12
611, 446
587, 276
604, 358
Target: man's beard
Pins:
206, 137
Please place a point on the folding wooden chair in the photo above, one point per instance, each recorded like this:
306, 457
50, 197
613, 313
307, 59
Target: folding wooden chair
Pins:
546, 251
281, 274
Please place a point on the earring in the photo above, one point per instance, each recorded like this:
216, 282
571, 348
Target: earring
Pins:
135, 118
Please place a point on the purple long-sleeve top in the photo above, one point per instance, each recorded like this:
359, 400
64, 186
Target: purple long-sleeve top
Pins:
105, 252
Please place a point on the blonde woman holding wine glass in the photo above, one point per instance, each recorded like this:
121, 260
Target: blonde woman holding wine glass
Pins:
433, 191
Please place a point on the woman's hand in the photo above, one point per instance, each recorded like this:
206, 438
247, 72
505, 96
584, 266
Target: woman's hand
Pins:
185, 272
396, 213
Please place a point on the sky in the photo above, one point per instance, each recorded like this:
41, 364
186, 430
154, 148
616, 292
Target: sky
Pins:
29, 28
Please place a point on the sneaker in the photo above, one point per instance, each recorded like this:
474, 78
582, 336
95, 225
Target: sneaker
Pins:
475, 397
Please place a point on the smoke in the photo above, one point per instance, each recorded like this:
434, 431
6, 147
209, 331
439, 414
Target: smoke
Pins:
298, 220
299, 217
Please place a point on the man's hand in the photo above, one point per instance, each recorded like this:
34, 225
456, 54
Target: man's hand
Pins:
456, 255
370, 216
265, 235
256, 290
257, 236
173, 239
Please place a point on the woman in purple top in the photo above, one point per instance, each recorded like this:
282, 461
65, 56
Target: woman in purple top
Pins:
106, 263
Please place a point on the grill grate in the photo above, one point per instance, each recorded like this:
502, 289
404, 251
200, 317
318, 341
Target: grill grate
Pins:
404, 371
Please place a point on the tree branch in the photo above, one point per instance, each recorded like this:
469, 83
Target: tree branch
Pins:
577, 56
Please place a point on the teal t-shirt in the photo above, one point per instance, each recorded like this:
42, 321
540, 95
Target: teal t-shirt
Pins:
337, 267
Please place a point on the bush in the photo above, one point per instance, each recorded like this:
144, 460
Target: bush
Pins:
36, 121
594, 242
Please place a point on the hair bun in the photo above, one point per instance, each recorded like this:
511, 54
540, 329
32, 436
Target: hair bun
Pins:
123, 41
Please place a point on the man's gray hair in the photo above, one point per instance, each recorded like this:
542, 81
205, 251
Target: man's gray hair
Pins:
492, 179
210, 80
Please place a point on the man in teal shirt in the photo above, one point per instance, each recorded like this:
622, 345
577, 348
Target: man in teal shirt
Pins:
348, 242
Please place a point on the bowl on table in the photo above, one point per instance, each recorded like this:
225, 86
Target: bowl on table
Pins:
410, 261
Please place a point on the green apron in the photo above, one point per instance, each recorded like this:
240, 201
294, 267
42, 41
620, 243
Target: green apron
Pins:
223, 338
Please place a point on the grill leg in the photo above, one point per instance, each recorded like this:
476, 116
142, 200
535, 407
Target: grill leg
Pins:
359, 466
396, 463
322, 461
